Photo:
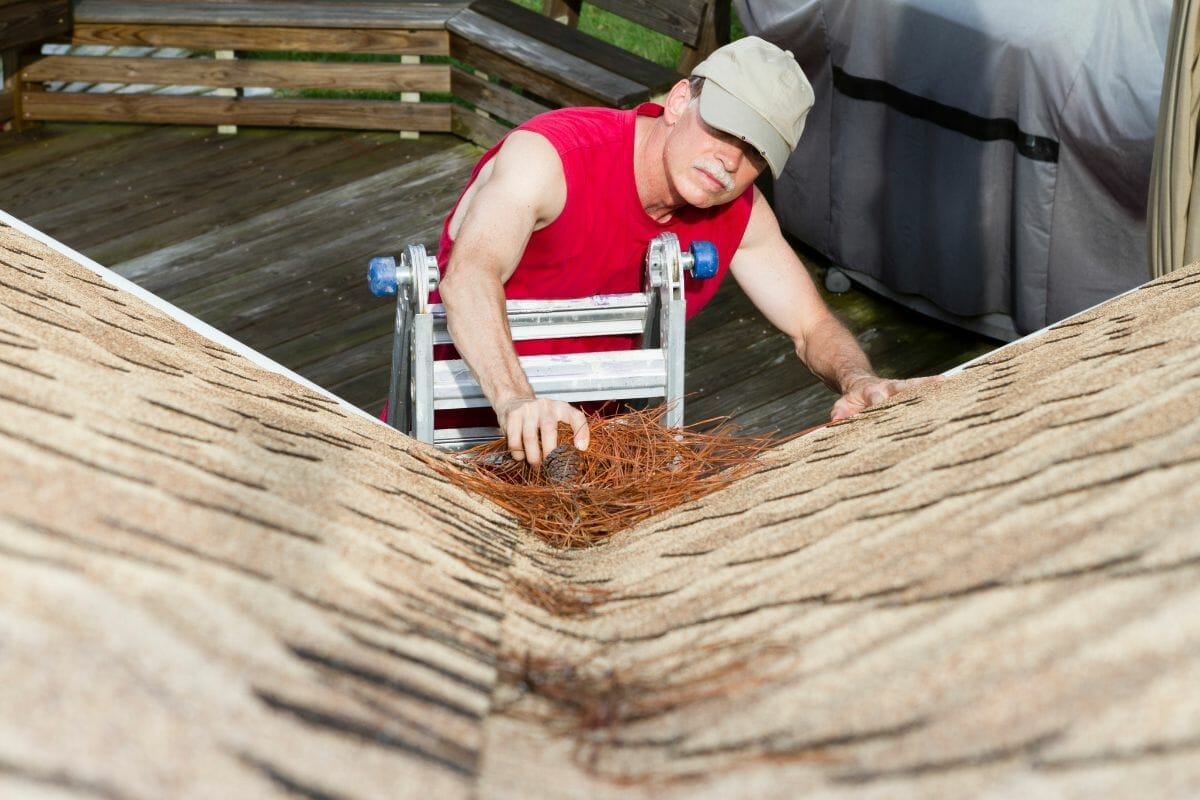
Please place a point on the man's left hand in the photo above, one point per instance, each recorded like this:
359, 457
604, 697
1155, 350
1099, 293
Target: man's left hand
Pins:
870, 391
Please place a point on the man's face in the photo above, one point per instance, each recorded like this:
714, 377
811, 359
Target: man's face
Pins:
708, 167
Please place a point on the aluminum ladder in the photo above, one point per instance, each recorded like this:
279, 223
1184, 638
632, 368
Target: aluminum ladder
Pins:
420, 385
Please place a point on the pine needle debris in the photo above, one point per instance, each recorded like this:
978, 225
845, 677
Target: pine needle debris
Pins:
634, 467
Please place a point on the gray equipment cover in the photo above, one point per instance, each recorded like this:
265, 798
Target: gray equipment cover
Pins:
990, 156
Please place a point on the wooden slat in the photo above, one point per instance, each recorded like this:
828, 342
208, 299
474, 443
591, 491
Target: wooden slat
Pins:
51, 149
295, 13
679, 19
299, 164
255, 158
492, 97
72, 191
197, 181
568, 40
715, 31
317, 246
27, 21
556, 75
271, 112
318, 350
393, 77
475, 128
309, 40
60, 189
309, 241
486, 60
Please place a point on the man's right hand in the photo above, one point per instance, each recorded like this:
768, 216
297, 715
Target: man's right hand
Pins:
531, 425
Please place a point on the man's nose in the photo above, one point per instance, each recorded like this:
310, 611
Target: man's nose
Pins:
730, 155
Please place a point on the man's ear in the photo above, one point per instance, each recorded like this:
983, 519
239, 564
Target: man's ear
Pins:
676, 101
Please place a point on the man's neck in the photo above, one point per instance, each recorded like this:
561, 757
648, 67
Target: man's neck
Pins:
649, 169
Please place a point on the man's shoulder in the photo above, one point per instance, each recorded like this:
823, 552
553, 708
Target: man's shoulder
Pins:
582, 126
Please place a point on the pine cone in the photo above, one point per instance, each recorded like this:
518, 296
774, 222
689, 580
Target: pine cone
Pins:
561, 464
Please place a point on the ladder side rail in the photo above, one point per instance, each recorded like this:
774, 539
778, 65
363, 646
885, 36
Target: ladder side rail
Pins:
399, 414
422, 378
674, 315
666, 265
651, 326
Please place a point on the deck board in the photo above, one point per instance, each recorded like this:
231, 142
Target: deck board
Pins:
125, 192
266, 235
344, 14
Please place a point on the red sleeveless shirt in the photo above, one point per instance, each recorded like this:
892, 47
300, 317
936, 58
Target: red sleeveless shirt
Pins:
597, 245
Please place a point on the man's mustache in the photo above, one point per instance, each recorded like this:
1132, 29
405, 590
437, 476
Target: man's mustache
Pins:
716, 169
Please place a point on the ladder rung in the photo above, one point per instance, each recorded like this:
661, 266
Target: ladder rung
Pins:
601, 315
462, 438
614, 375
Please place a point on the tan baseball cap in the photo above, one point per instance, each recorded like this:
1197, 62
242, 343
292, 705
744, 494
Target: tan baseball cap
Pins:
758, 93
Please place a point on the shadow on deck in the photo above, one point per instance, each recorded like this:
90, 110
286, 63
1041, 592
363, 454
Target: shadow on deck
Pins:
265, 235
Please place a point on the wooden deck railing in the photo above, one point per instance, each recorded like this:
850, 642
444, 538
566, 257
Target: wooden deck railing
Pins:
543, 64
24, 23
407, 32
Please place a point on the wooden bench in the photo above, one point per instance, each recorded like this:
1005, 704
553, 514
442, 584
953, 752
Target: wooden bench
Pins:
24, 23
551, 64
513, 62
348, 27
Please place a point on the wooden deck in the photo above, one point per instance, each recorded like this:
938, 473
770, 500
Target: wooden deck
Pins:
266, 235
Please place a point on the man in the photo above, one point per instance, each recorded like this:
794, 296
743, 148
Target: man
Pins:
567, 203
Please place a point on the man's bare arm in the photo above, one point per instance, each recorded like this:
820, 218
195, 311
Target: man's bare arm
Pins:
520, 190
775, 280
